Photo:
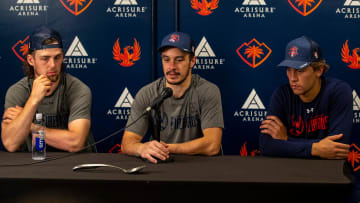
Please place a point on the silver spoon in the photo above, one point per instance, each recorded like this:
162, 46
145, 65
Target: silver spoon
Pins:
127, 171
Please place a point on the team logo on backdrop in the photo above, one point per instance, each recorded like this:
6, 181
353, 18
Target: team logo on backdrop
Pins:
253, 110
28, 8
305, 7
253, 53
205, 56
351, 9
244, 151
76, 7
356, 107
204, 7
121, 109
126, 9
354, 157
352, 57
76, 57
254, 9
21, 48
128, 55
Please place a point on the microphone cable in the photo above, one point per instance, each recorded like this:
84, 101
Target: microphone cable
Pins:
81, 150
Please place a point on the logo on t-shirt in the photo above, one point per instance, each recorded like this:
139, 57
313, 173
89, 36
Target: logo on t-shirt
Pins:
315, 123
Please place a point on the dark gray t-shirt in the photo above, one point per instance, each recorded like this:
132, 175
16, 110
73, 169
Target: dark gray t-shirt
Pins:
71, 96
182, 119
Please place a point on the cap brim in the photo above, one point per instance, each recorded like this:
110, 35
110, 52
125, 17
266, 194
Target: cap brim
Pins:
294, 64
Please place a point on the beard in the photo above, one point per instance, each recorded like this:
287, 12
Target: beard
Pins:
182, 80
54, 78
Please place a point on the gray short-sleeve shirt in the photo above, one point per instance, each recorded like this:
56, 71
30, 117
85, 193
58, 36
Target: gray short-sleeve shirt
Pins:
182, 119
74, 93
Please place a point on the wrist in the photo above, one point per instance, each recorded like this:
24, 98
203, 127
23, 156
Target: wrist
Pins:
314, 151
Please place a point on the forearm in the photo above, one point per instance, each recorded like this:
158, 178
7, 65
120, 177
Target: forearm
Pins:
70, 140
14, 132
275, 147
131, 144
209, 144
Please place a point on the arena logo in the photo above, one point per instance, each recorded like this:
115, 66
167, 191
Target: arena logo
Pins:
129, 55
253, 110
254, 9
121, 110
205, 56
352, 59
76, 7
203, 7
351, 9
28, 8
305, 7
76, 57
356, 107
253, 53
21, 48
126, 9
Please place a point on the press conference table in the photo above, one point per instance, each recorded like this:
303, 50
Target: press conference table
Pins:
188, 178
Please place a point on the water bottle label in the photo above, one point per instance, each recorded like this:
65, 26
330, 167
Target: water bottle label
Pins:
40, 142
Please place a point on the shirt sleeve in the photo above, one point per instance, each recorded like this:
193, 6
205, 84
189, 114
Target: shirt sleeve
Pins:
16, 95
341, 112
79, 97
275, 147
141, 101
211, 114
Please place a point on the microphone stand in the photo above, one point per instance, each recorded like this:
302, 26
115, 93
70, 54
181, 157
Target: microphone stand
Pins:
155, 123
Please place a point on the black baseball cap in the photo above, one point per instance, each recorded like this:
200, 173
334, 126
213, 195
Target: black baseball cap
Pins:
41, 34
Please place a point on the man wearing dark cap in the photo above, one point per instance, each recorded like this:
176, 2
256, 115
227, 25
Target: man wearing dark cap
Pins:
312, 115
64, 100
191, 119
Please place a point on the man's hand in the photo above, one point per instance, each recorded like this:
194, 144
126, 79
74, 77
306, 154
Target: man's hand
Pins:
327, 148
274, 127
41, 86
152, 149
11, 113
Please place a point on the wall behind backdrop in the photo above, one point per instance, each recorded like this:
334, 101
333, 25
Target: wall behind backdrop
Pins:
224, 32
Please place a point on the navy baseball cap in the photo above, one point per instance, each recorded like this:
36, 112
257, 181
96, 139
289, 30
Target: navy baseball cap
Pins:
179, 40
300, 53
40, 35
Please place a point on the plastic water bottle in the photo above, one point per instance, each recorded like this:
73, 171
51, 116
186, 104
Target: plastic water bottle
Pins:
38, 139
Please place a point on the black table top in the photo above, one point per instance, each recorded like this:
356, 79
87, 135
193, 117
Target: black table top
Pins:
228, 169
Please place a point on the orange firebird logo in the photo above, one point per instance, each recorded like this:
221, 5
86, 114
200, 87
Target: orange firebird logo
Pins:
76, 7
253, 53
304, 7
353, 59
130, 53
354, 157
21, 48
205, 8
244, 151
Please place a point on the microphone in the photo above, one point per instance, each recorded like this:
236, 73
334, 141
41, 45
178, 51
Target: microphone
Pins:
166, 93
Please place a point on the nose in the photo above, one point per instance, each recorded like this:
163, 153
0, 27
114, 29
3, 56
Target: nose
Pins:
291, 73
51, 62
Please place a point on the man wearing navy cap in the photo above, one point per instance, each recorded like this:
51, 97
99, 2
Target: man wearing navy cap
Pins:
192, 119
312, 115
64, 100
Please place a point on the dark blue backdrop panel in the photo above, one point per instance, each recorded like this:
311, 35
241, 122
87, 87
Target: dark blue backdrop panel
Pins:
223, 34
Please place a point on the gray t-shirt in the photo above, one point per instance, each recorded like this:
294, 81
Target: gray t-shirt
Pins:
71, 97
182, 119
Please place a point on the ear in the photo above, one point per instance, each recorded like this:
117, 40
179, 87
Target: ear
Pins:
30, 59
192, 61
320, 71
